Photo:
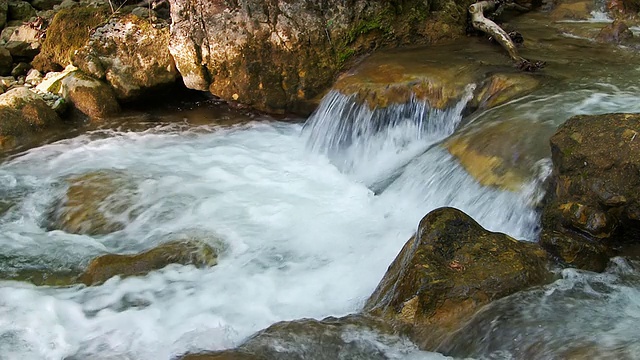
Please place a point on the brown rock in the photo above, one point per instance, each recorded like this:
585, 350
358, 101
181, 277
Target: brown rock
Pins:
616, 32
107, 266
92, 97
447, 271
501, 154
594, 196
23, 114
277, 56
573, 10
129, 53
503, 87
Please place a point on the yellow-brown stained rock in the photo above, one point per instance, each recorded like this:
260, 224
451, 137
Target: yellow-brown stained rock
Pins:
93, 203
177, 252
448, 270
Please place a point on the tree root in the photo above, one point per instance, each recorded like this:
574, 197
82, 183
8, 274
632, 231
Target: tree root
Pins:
480, 22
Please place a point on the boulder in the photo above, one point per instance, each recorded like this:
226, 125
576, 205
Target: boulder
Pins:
448, 270
349, 337
45, 4
23, 113
20, 10
131, 54
277, 56
616, 32
500, 88
6, 62
502, 154
96, 203
69, 31
92, 97
20, 69
573, 10
104, 267
593, 204
23, 42
4, 10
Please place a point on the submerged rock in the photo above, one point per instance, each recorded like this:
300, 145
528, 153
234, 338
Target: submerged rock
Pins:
350, 337
503, 87
593, 205
96, 203
276, 56
131, 54
502, 154
572, 10
92, 97
447, 271
617, 32
22, 114
189, 252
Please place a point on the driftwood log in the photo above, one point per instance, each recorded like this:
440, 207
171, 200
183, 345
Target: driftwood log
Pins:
480, 22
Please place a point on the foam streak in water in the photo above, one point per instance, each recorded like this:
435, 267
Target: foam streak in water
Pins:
370, 144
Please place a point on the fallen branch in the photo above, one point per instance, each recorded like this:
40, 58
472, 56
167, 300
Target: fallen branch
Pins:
480, 22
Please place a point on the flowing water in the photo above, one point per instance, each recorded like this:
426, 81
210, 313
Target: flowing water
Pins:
307, 218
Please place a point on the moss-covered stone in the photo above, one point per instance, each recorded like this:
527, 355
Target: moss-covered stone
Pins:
96, 203
22, 114
69, 30
107, 266
593, 198
448, 270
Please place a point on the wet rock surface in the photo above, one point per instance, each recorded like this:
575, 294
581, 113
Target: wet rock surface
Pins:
350, 337
593, 204
188, 252
447, 271
96, 203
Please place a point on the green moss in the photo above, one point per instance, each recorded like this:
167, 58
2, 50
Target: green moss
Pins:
69, 31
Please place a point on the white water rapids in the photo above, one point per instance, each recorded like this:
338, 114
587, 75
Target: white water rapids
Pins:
304, 234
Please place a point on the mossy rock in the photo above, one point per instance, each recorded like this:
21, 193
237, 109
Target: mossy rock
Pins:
448, 270
191, 252
502, 154
95, 203
69, 30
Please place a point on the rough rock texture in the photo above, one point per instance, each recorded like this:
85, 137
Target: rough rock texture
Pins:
6, 62
69, 31
593, 205
23, 113
92, 97
616, 32
502, 154
309, 339
277, 55
131, 54
4, 9
20, 10
96, 203
448, 270
107, 266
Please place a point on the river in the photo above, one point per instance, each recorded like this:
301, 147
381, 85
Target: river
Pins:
307, 217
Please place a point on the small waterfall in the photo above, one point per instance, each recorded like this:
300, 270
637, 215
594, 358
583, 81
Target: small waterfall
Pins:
371, 145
